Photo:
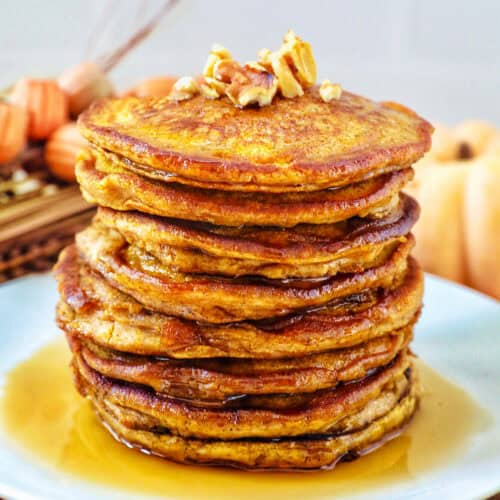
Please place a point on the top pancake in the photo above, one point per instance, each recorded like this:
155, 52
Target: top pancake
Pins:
294, 144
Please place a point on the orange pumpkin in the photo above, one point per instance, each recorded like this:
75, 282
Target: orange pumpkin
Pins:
83, 84
13, 124
46, 103
458, 187
158, 86
61, 150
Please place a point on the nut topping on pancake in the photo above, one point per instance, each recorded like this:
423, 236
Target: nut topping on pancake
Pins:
290, 70
293, 64
246, 85
329, 91
184, 88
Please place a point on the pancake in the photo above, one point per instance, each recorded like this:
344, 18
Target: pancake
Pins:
224, 379
374, 198
91, 308
304, 251
219, 299
315, 415
302, 143
113, 163
245, 294
303, 454
375, 408
272, 402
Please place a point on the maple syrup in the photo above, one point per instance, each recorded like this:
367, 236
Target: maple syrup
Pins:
42, 412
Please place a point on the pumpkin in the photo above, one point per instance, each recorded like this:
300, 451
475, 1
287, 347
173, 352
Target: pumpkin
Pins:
46, 103
458, 187
61, 150
158, 86
83, 84
13, 124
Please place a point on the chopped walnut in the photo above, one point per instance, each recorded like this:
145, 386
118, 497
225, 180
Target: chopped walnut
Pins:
257, 66
329, 91
300, 54
264, 56
293, 64
217, 85
245, 85
290, 70
288, 85
209, 92
217, 54
184, 88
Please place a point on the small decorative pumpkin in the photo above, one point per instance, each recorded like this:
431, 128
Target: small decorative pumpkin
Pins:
159, 86
83, 84
61, 150
458, 186
46, 103
13, 124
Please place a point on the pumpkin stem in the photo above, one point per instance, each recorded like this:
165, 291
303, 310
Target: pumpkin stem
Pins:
465, 151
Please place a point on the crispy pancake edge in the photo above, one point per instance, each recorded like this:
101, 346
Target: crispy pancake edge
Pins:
316, 417
234, 242
224, 300
101, 125
374, 198
113, 319
220, 379
302, 454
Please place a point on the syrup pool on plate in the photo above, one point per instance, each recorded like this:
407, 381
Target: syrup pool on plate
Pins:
45, 416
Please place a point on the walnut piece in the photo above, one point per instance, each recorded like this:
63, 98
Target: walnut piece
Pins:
245, 85
217, 54
184, 88
300, 55
329, 91
293, 64
209, 92
290, 70
288, 85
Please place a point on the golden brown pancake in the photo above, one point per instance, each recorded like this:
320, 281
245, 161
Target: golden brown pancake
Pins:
319, 413
388, 398
375, 197
305, 453
302, 143
91, 308
304, 251
245, 295
109, 162
220, 299
221, 379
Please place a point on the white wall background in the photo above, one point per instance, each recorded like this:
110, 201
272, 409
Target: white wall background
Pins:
441, 57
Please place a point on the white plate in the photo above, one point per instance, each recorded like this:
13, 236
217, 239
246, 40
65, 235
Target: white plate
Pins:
458, 335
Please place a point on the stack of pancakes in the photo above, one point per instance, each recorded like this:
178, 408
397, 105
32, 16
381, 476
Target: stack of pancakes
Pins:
245, 295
